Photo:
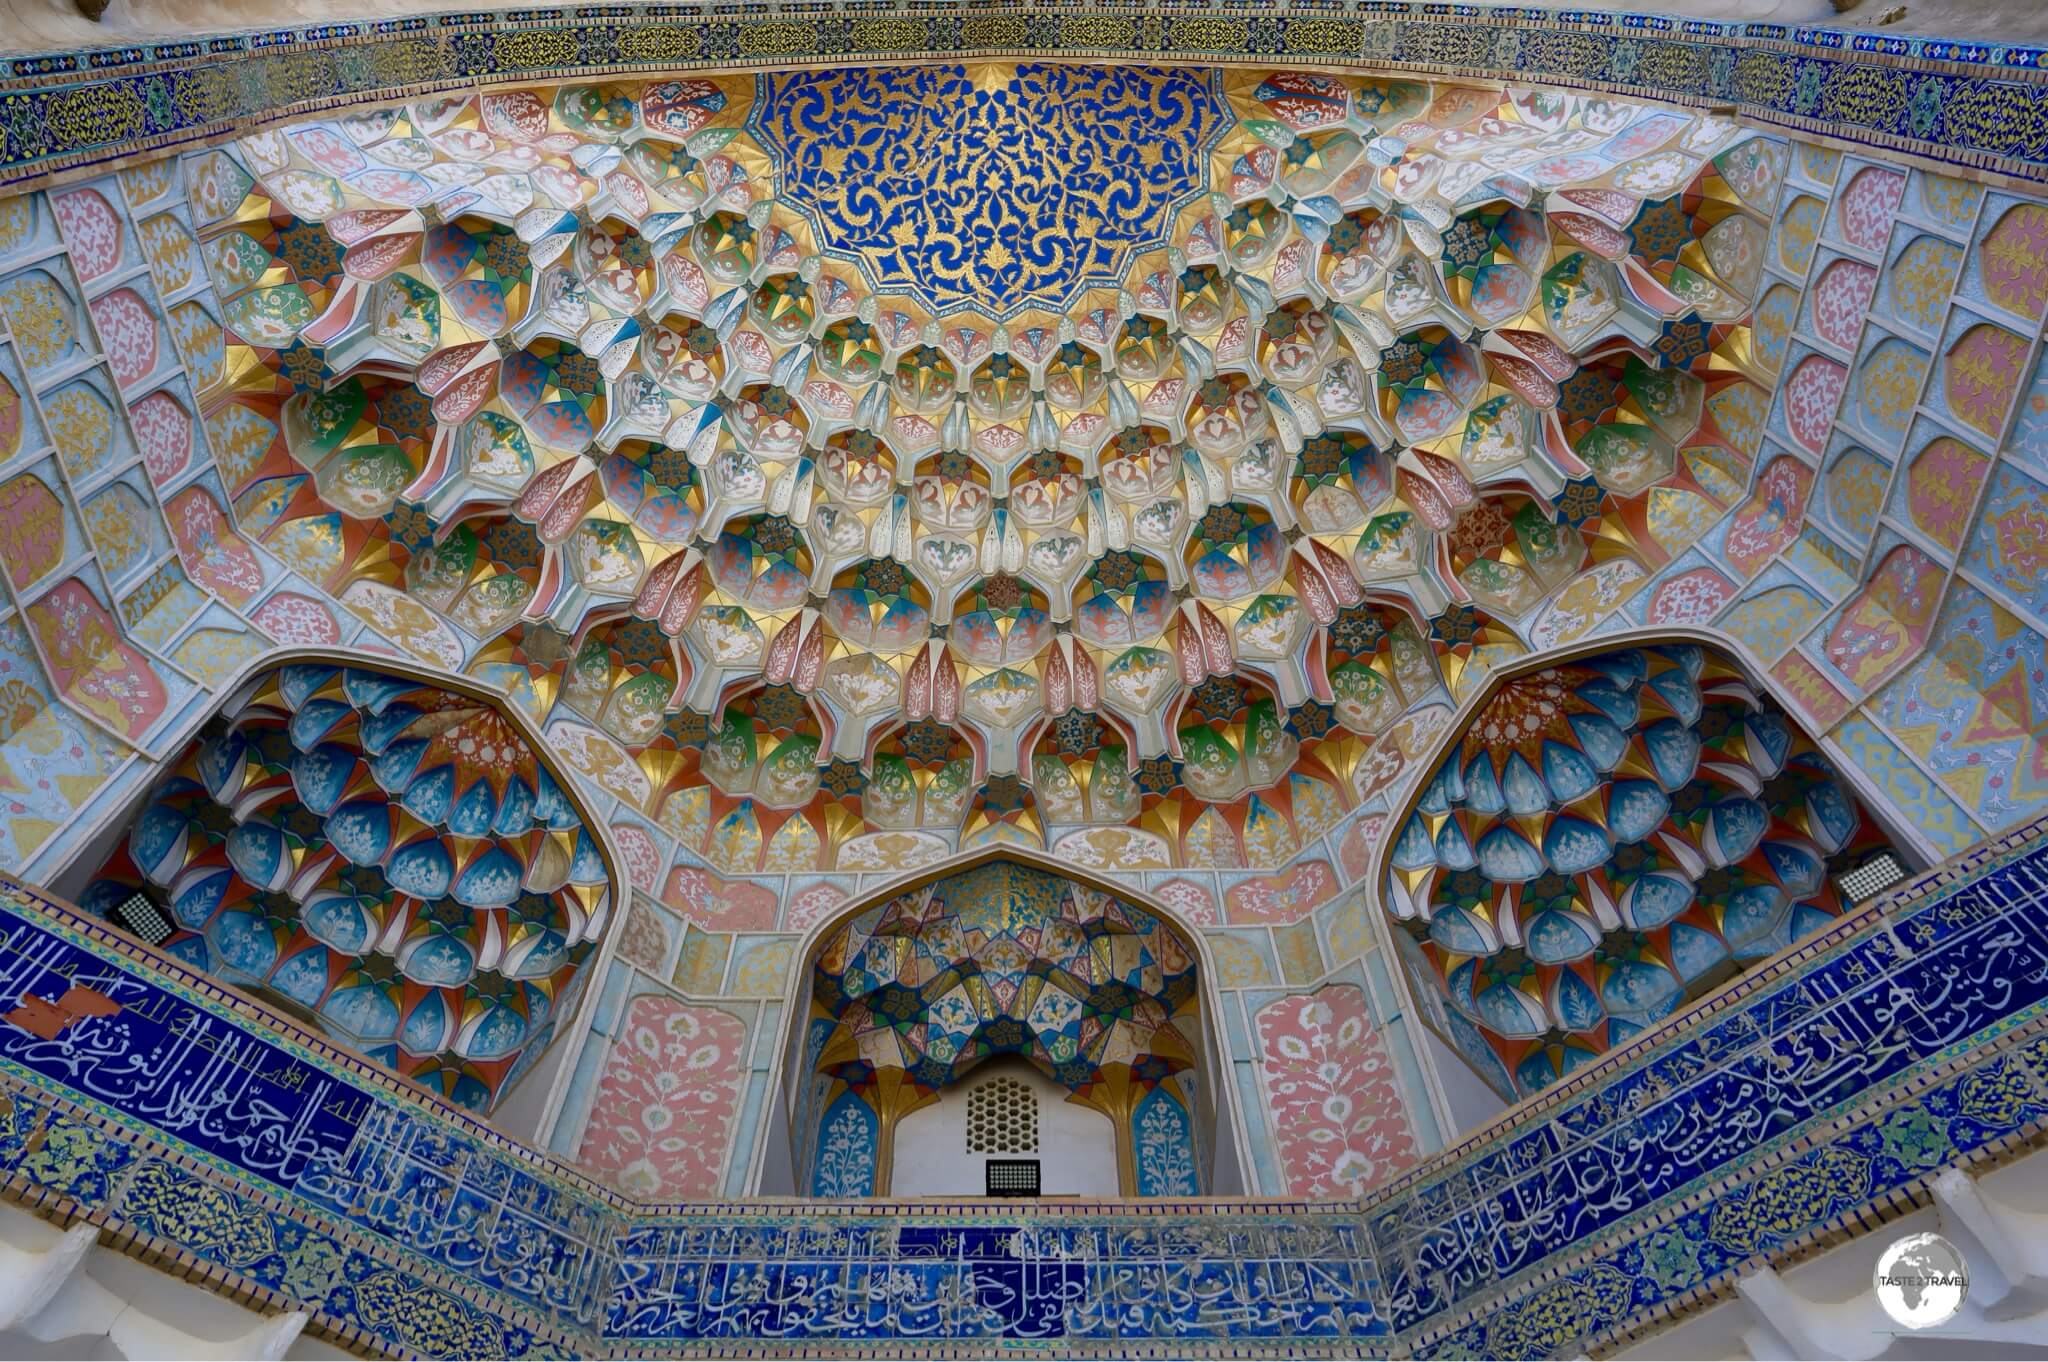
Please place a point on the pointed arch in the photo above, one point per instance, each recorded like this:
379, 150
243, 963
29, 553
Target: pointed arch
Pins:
798, 1098
1603, 833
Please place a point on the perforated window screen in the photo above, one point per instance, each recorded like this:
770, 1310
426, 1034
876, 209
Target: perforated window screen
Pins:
1872, 878
1002, 1118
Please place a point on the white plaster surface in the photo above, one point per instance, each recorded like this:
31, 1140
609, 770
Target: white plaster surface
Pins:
1077, 1144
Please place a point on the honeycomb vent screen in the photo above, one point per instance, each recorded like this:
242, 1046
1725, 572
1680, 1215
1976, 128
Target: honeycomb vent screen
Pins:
1002, 1118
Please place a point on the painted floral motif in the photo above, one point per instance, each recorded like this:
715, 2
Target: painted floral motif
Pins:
1163, 1147
845, 1164
1855, 490
2014, 260
2029, 440
17, 222
1361, 842
119, 522
1822, 702
1336, 1112
1689, 597
1951, 201
1283, 898
1798, 233
644, 937
1941, 488
1841, 295
719, 905
809, 907
127, 327
1981, 375
1192, 903
164, 430
31, 529
213, 553
82, 426
1921, 280
1887, 621
41, 317
1772, 325
13, 419
760, 968
1772, 620
1810, 399
200, 344
150, 181
1771, 518
2010, 547
160, 607
1864, 211
92, 229
215, 655
1887, 386
643, 860
92, 665
664, 1112
172, 256
295, 619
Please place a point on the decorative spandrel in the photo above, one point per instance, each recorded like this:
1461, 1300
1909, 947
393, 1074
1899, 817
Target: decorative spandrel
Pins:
990, 187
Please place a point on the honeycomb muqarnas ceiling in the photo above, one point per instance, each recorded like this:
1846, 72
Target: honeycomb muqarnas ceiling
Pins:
852, 466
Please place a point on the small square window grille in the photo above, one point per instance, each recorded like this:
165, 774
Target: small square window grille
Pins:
140, 916
1011, 1177
1871, 878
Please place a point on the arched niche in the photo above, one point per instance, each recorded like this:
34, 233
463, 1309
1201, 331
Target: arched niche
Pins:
1603, 835
390, 852
836, 1112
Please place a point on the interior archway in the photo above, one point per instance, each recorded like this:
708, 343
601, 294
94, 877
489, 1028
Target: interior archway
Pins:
1002, 967
1604, 834
390, 853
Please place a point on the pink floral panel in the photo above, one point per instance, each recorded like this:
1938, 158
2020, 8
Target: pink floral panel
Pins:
642, 857
1840, 298
1810, 400
292, 618
665, 1107
1689, 597
1337, 1111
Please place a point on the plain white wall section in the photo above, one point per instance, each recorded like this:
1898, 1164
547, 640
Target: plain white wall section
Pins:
1472, 1103
1076, 1144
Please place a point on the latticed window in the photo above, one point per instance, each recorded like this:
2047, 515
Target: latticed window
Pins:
1002, 1118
